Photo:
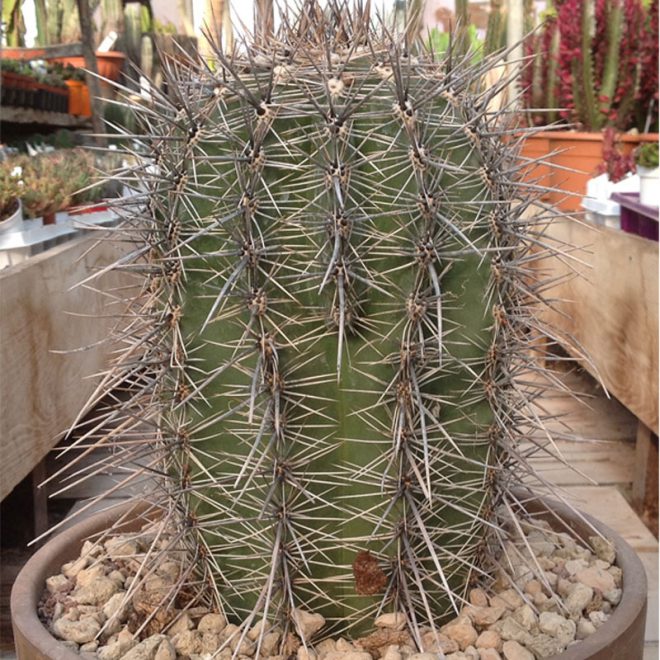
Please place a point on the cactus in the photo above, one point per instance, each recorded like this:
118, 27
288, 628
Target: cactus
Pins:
496, 29
586, 61
13, 27
540, 79
133, 30
328, 355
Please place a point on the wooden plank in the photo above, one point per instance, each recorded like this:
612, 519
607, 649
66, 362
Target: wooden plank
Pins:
602, 469
611, 309
582, 411
650, 650
607, 504
45, 52
645, 482
41, 391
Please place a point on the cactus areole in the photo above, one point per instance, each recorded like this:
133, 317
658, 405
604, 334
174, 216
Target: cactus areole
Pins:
331, 340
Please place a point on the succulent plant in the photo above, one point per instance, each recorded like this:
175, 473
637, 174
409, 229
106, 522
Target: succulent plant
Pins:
329, 361
45, 186
55, 180
594, 64
496, 29
647, 156
10, 188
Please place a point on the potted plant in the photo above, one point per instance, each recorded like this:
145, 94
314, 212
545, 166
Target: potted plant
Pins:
322, 360
74, 79
11, 210
646, 159
19, 84
51, 180
109, 63
54, 91
593, 65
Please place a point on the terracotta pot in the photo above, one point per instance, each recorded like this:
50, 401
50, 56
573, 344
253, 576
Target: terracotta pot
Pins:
75, 96
577, 151
85, 103
109, 64
23, 53
622, 636
88, 208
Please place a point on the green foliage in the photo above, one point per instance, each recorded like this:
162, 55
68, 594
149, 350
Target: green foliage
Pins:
440, 42
53, 181
48, 73
594, 65
165, 28
647, 155
10, 188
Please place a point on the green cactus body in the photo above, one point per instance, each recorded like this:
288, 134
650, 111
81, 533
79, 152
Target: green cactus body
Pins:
332, 318
495, 29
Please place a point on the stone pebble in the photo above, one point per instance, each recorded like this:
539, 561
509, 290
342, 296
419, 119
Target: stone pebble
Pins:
537, 615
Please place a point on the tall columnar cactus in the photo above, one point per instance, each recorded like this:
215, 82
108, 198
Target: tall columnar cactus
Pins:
330, 354
587, 61
496, 29
540, 77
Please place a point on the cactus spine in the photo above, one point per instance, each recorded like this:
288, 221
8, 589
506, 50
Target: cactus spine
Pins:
329, 341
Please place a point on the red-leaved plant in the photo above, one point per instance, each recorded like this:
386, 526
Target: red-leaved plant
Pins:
616, 163
594, 63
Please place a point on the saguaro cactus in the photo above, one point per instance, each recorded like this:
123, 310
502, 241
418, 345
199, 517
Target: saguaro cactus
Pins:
331, 341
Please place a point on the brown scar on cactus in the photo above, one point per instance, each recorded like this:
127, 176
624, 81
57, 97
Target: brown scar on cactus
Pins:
369, 577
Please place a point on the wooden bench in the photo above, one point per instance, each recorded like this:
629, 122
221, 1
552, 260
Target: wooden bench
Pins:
41, 390
609, 305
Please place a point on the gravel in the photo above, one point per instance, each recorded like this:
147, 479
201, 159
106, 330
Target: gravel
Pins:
560, 598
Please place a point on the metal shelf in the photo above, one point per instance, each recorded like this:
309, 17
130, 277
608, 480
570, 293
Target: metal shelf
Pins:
10, 114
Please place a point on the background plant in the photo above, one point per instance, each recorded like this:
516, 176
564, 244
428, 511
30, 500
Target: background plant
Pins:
53, 181
10, 188
329, 359
647, 155
595, 64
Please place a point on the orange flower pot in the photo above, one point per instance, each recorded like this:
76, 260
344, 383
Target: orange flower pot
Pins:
85, 103
75, 96
109, 64
572, 150
15, 53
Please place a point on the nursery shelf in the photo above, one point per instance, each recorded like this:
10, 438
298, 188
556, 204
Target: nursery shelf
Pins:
35, 237
607, 300
10, 114
45, 388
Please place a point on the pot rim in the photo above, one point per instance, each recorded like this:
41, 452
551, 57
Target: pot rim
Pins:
648, 172
16, 218
592, 136
29, 584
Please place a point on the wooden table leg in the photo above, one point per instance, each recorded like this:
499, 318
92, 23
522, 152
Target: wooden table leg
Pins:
645, 480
